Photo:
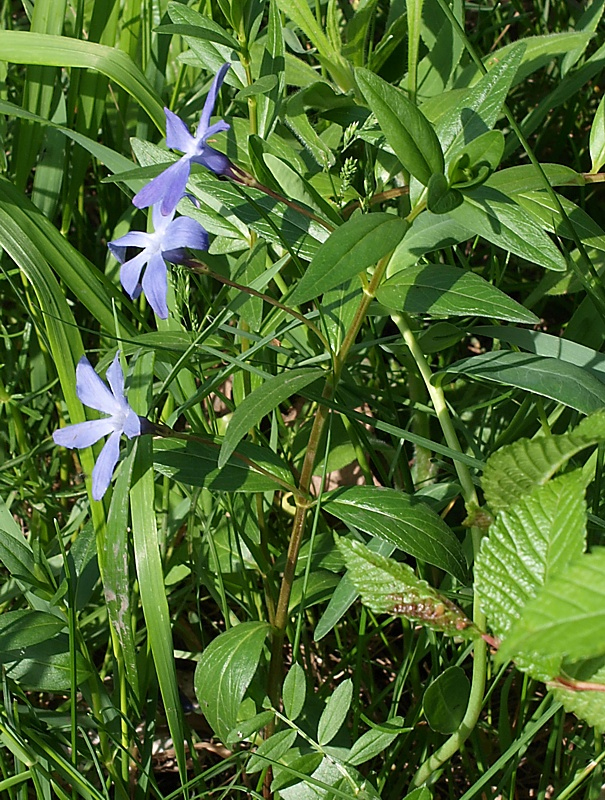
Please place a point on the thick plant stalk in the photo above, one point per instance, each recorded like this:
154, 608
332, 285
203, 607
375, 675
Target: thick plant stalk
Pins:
475, 701
302, 504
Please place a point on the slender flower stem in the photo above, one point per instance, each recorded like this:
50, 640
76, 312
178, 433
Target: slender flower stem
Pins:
475, 701
304, 486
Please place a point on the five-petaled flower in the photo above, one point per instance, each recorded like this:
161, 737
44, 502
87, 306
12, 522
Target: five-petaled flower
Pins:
167, 243
169, 186
94, 393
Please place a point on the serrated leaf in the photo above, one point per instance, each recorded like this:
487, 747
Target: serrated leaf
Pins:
273, 748
405, 127
549, 377
529, 542
515, 470
260, 402
400, 519
373, 742
250, 468
391, 587
225, 671
294, 691
445, 700
586, 704
335, 712
501, 221
567, 616
350, 249
597, 138
442, 291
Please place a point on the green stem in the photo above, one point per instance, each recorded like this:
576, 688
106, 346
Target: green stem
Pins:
302, 503
475, 702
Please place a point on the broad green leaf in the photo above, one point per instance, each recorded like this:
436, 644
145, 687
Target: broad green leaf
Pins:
392, 587
45, 666
400, 519
272, 748
422, 793
295, 768
545, 344
373, 742
478, 159
296, 188
244, 730
539, 51
597, 138
294, 691
445, 700
567, 616
545, 211
526, 178
405, 127
296, 119
262, 401
250, 468
16, 553
338, 307
515, 470
350, 249
335, 712
441, 198
443, 291
25, 47
549, 377
588, 705
428, 232
501, 221
532, 539
25, 628
196, 25
224, 673
478, 108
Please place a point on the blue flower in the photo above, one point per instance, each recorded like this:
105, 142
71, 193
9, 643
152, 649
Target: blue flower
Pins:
122, 419
170, 185
167, 243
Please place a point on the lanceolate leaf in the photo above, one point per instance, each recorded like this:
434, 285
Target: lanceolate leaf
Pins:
391, 587
443, 291
567, 617
224, 673
515, 470
251, 469
350, 249
405, 127
400, 519
597, 138
260, 402
335, 712
549, 377
497, 218
528, 542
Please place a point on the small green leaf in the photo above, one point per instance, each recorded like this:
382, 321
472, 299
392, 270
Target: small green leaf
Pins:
272, 748
373, 742
515, 470
405, 127
244, 730
350, 249
224, 673
400, 519
294, 691
445, 700
443, 291
567, 617
478, 159
549, 377
335, 712
260, 402
391, 587
440, 198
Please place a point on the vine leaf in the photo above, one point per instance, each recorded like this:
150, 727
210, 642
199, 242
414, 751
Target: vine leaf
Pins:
516, 469
391, 587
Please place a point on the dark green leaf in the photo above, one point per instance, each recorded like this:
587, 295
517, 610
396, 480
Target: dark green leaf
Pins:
549, 377
350, 249
405, 127
400, 519
272, 748
440, 198
442, 291
25, 628
224, 673
446, 699
294, 691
